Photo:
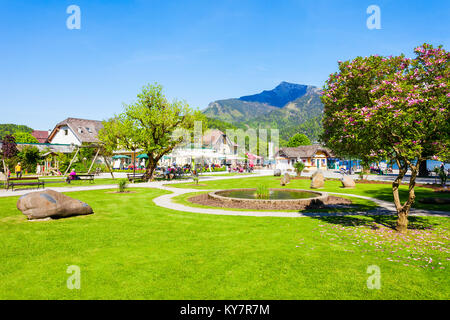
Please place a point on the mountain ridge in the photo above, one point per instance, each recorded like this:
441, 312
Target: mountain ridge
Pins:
288, 107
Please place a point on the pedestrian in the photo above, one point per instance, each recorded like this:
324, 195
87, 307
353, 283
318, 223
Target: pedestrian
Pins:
18, 170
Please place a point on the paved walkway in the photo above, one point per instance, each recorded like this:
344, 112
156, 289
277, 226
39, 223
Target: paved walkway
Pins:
384, 207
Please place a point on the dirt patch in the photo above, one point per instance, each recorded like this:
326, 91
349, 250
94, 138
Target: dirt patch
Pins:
331, 202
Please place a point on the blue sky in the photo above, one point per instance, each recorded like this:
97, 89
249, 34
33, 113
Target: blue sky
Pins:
200, 51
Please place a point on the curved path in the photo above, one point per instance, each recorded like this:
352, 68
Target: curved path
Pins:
384, 207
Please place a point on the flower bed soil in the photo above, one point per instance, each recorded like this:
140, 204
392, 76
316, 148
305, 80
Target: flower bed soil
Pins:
331, 202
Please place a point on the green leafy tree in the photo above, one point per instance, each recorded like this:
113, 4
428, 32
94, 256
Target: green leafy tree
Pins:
149, 124
391, 108
29, 156
298, 139
24, 137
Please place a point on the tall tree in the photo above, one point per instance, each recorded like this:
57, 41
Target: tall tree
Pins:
391, 108
149, 125
299, 139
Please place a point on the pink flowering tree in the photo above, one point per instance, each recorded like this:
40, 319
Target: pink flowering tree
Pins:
392, 108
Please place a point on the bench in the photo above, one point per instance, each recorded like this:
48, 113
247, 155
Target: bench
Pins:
138, 176
89, 177
29, 181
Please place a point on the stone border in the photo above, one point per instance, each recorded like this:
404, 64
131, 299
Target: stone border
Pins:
322, 196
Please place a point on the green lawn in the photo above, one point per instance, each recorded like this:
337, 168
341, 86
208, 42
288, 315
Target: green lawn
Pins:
378, 191
131, 249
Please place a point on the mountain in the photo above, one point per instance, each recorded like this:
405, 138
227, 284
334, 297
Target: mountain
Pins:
284, 93
289, 107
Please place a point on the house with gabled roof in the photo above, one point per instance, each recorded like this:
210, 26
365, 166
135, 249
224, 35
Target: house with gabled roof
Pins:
220, 142
75, 131
313, 156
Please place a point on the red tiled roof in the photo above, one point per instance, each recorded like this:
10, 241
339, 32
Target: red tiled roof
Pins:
41, 136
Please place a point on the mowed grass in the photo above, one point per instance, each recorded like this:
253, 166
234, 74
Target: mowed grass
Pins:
132, 249
373, 190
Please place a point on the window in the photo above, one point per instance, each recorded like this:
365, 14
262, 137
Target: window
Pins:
66, 132
89, 130
80, 130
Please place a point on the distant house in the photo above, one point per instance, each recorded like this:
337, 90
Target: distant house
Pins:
313, 156
41, 136
220, 142
75, 131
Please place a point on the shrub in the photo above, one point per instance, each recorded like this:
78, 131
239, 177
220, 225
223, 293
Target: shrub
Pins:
123, 184
442, 176
262, 192
299, 166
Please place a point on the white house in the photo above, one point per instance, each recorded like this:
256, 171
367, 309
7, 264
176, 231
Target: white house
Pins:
75, 131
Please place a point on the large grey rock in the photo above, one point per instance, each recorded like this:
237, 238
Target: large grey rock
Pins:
49, 203
287, 177
348, 182
277, 173
317, 180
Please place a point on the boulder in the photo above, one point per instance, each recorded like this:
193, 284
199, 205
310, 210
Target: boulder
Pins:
49, 203
277, 173
348, 182
287, 177
317, 180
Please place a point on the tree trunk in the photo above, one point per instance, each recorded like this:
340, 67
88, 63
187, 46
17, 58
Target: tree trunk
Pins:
151, 166
402, 221
403, 210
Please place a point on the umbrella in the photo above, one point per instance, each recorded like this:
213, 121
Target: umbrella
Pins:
142, 156
121, 157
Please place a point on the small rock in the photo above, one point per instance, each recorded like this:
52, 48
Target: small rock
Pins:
317, 180
348, 182
277, 173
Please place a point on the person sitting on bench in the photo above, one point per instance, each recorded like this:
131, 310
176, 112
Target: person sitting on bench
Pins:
72, 176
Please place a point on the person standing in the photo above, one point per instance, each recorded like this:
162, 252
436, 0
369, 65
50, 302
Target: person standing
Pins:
18, 170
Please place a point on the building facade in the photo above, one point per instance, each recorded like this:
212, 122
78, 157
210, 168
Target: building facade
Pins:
313, 156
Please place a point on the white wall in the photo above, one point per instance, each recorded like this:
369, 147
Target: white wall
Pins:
61, 137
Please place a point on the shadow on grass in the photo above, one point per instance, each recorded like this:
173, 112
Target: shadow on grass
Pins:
389, 221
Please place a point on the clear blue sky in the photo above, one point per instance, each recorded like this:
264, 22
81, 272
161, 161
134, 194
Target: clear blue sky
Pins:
200, 51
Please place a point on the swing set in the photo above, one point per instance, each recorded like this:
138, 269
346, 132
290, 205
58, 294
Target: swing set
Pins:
99, 153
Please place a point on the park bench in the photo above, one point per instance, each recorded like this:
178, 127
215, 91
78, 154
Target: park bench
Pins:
137, 176
89, 177
24, 181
